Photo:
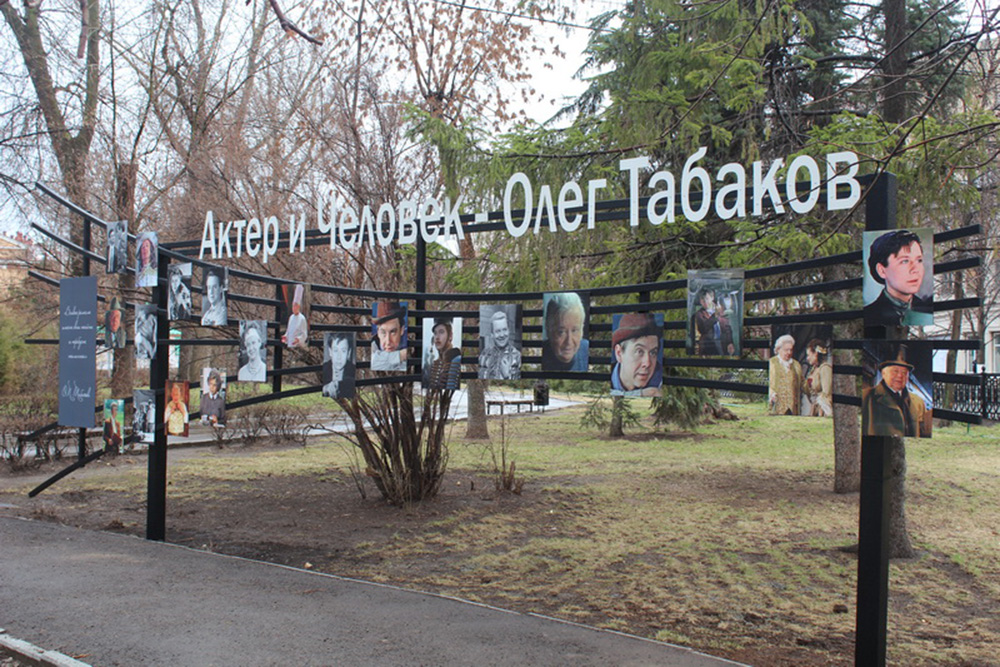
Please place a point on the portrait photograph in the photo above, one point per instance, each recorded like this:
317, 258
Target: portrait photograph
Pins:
215, 284
390, 347
114, 329
213, 397
715, 312
565, 346
296, 315
146, 256
897, 395
500, 342
175, 415
338, 364
145, 331
253, 351
144, 415
113, 431
898, 286
441, 362
800, 370
117, 247
637, 354
179, 291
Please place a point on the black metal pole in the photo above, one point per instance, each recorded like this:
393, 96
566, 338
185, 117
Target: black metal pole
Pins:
873, 521
279, 349
159, 369
81, 436
420, 286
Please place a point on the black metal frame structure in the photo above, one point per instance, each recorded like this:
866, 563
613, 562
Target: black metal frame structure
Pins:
880, 209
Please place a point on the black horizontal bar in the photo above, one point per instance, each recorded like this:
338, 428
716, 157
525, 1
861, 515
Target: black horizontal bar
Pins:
953, 415
65, 471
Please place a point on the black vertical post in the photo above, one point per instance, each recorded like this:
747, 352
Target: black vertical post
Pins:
279, 349
81, 436
873, 523
159, 369
420, 286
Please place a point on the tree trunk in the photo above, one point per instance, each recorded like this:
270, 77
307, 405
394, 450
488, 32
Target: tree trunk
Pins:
846, 434
123, 372
894, 63
899, 536
477, 428
615, 429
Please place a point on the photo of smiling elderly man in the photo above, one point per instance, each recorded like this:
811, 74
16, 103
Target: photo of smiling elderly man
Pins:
564, 324
500, 341
899, 277
637, 349
898, 393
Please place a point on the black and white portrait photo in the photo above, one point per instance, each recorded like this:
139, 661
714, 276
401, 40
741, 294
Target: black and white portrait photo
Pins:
500, 342
253, 351
179, 291
338, 364
215, 282
145, 331
144, 415
117, 247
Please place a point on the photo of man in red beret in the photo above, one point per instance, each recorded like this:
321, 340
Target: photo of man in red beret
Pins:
637, 345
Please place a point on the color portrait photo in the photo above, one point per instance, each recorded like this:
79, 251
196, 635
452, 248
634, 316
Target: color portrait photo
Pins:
637, 354
715, 312
500, 342
113, 431
296, 315
390, 345
897, 389
564, 332
899, 277
441, 360
146, 255
800, 370
114, 331
175, 415
339, 364
213, 397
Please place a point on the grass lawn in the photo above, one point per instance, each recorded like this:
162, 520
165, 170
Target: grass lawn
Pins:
727, 539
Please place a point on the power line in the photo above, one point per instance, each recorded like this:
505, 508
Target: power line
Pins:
562, 24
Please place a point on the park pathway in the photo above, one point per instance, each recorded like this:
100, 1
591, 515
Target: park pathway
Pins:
111, 599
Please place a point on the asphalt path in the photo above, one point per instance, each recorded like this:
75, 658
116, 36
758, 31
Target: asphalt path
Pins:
110, 599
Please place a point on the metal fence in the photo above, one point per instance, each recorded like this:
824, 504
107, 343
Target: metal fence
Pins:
982, 399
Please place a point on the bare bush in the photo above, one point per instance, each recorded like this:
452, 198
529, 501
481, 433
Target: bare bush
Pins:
505, 478
252, 423
404, 456
20, 416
